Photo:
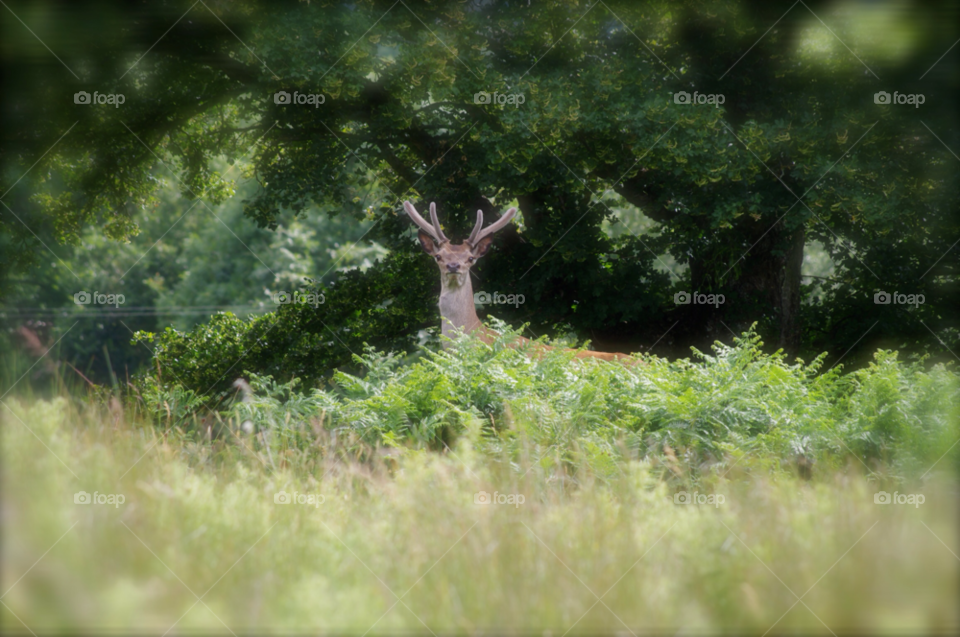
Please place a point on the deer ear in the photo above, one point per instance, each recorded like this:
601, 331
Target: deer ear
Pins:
482, 246
427, 243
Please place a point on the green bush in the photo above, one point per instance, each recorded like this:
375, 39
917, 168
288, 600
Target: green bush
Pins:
298, 340
708, 413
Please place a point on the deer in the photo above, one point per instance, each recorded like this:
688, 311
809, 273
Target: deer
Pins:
458, 315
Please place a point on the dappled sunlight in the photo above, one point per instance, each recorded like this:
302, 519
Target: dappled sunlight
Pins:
885, 32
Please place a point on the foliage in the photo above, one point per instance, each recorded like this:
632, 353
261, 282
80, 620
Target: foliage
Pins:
200, 517
798, 198
598, 141
298, 340
187, 262
695, 415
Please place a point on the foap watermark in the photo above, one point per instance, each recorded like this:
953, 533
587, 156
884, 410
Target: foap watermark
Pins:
682, 497
113, 99
885, 298
911, 99
485, 298
284, 98
482, 497
306, 298
682, 97
97, 298
315, 499
516, 99
82, 497
685, 298
916, 499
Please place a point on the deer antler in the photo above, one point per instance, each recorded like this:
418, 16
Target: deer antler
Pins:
477, 235
432, 230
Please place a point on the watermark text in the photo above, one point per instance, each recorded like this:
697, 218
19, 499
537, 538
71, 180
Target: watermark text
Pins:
82, 497
682, 497
306, 298
515, 99
485, 298
912, 99
885, 298
282, 497
113, 99
97, 298
284, 98
482, 497
682, 97
916, 499
686, 298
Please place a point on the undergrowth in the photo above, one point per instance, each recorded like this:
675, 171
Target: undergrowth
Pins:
691, 416
478, 489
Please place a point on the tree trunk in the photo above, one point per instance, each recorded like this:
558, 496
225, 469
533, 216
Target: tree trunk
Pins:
790, 329
771, 276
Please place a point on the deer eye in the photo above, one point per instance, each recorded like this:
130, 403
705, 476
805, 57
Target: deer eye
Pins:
438, 257
470, 259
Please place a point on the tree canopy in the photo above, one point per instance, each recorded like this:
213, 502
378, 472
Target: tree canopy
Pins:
655, 150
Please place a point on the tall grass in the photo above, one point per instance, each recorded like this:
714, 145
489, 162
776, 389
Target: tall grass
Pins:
600, 453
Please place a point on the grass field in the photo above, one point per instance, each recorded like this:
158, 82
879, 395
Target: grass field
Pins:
389, 537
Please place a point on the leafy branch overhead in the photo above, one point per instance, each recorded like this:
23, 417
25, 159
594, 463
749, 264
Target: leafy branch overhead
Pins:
628, 194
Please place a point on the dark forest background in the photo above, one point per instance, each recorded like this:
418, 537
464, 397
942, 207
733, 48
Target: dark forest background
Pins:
799, 198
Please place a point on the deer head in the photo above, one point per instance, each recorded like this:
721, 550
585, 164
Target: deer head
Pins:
455, 261
457, 309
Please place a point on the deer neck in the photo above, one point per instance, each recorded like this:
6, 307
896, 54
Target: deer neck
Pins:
457, 312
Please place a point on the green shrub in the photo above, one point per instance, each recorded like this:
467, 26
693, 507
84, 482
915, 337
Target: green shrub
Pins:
299, 340
708, 413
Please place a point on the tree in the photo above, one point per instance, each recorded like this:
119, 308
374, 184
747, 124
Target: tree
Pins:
558, 107
208, 260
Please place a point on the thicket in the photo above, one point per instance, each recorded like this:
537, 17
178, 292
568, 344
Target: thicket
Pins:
703, 414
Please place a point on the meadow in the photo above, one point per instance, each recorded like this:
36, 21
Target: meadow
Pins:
225, 407
730, 493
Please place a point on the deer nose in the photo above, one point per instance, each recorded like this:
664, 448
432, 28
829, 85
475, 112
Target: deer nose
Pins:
453, 267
